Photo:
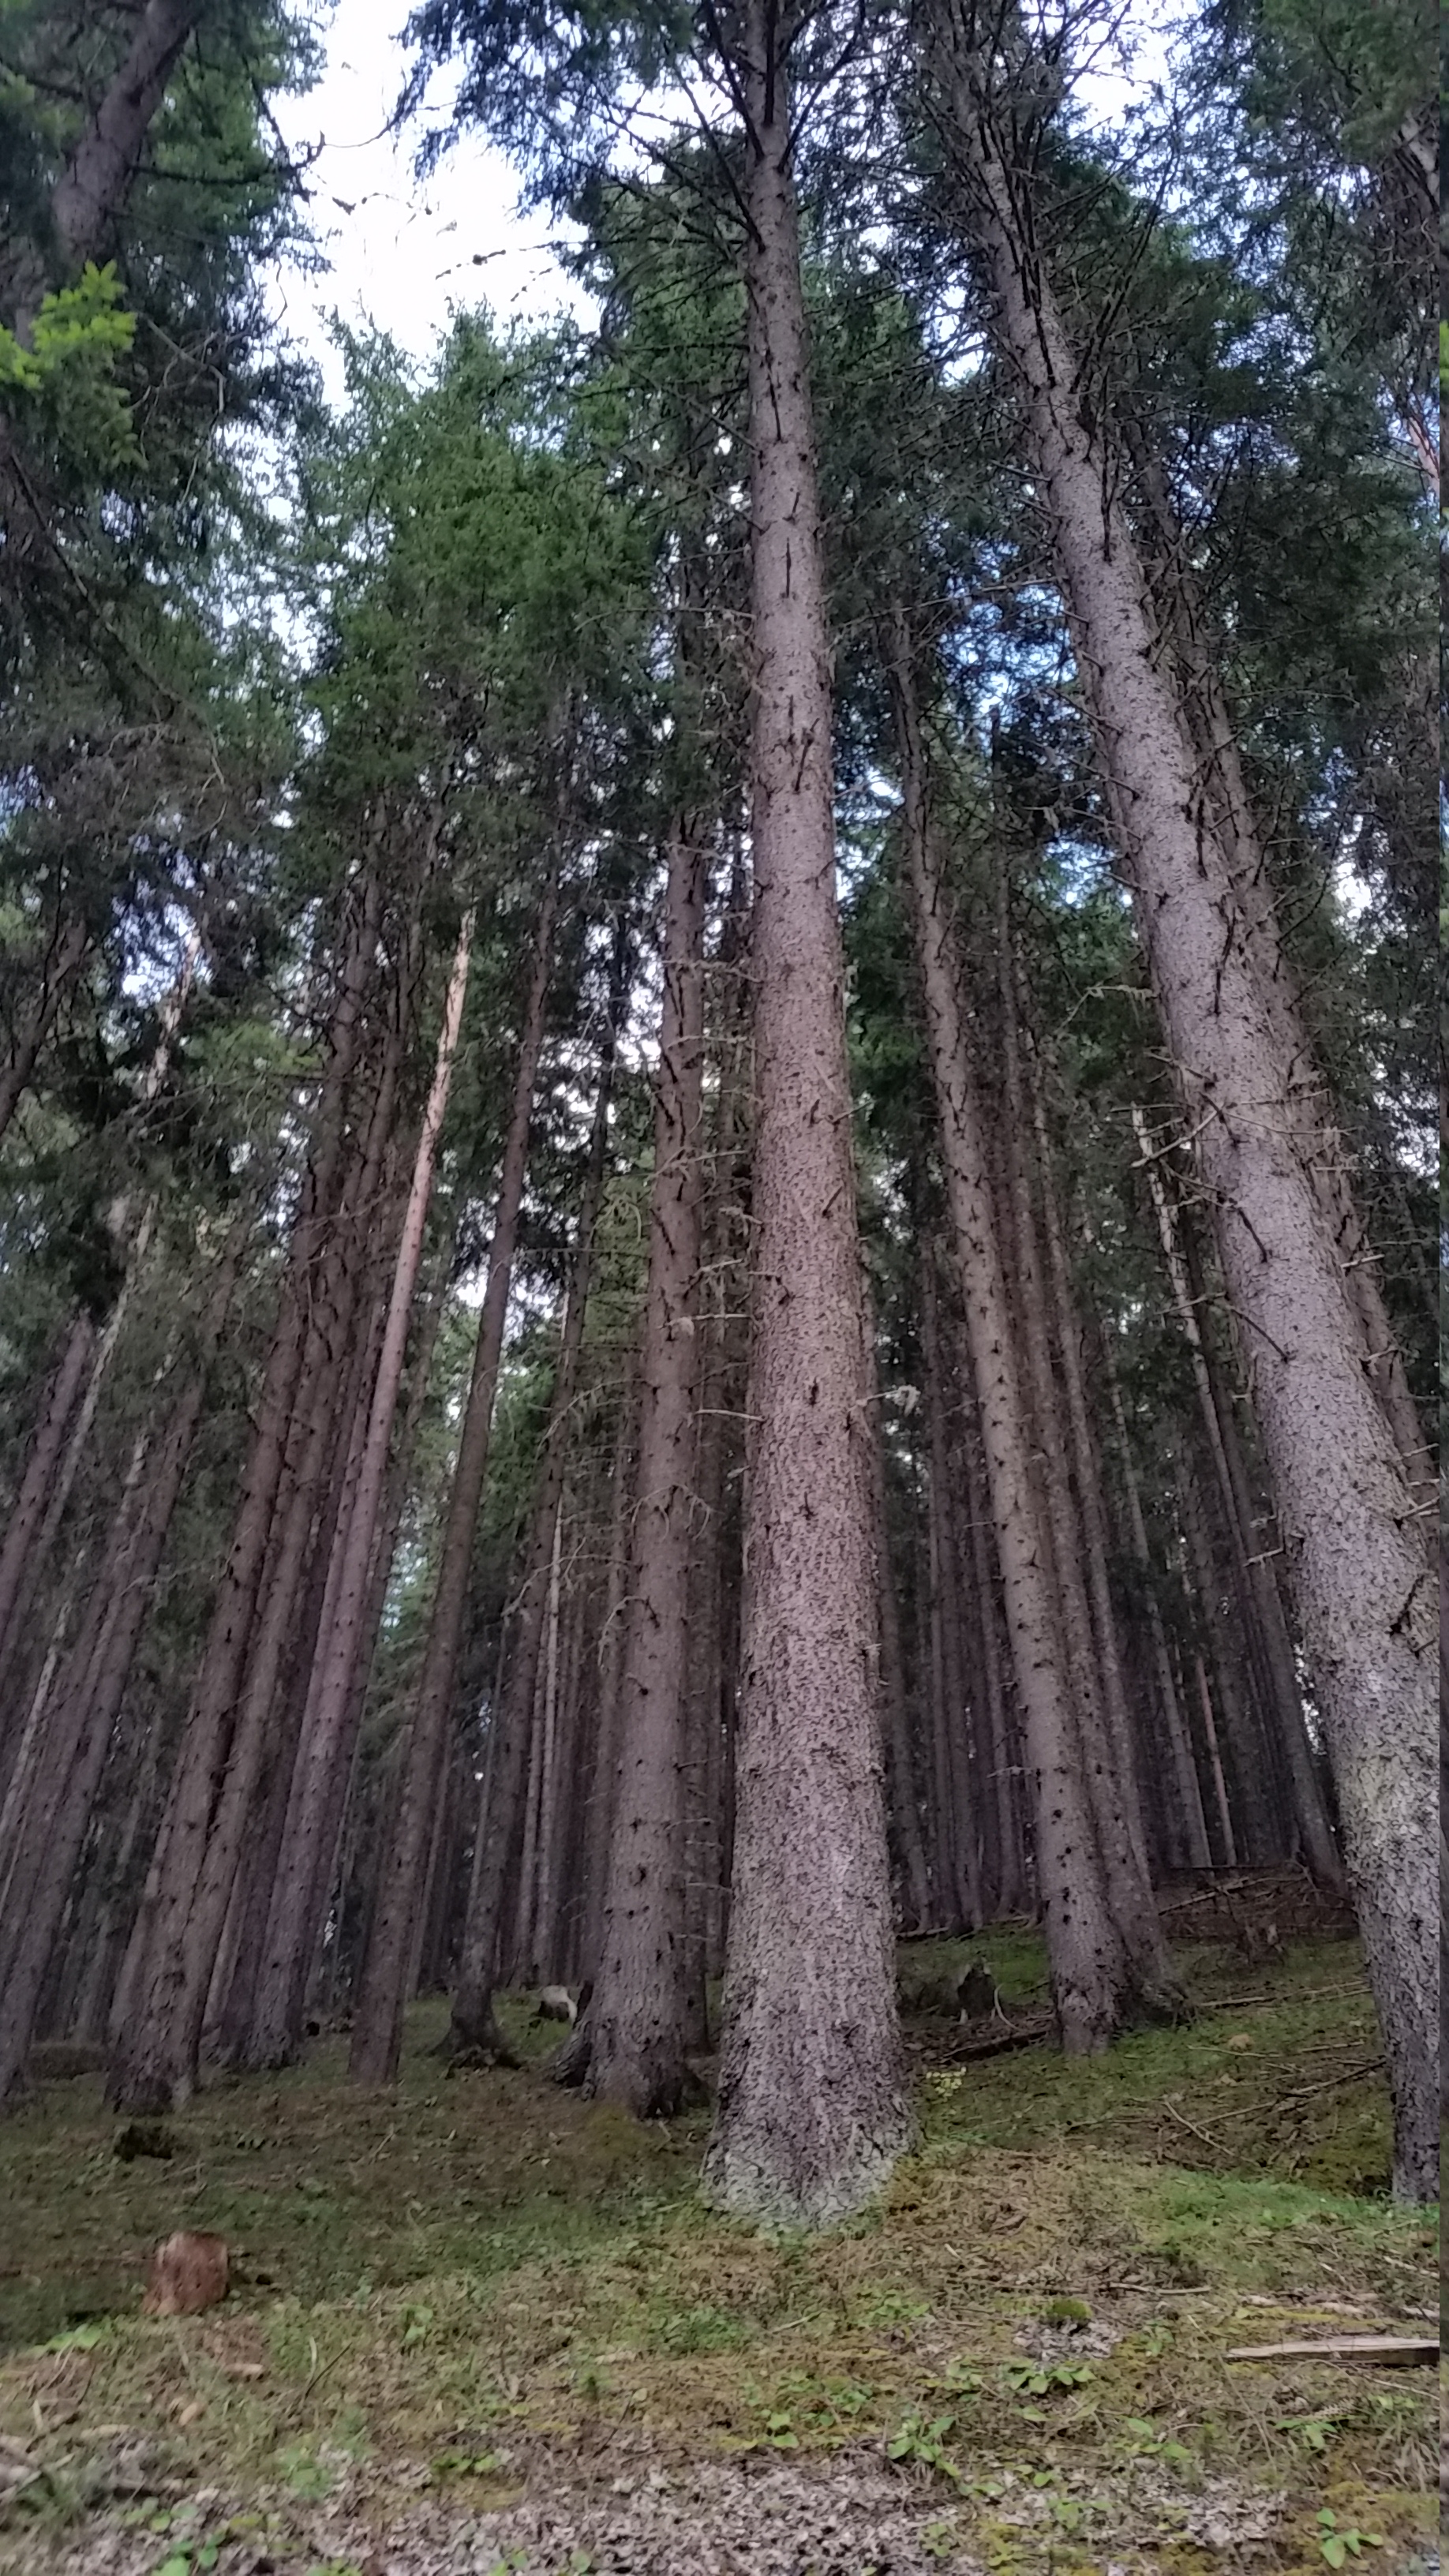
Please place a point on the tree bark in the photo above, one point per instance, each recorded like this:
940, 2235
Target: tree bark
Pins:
89, 194
473, 2030
638, 2020
326, 1750
812, 2109
41, 1467
382, 1987
1092, 1983
1360, 1572
63, 961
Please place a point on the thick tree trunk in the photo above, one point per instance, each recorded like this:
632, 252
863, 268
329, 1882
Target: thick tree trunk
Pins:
382, 1987
812, 2109
325, 1752
91, 190
638, 2021
1092, 1984
473, 2031
1360, 1572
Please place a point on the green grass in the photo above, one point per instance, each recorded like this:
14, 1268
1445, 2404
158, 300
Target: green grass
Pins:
484, 2270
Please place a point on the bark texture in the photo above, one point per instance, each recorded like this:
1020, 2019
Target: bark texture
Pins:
812, 2110
1359, 1567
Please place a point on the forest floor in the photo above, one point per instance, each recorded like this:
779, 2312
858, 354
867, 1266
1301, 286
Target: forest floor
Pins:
480, 2326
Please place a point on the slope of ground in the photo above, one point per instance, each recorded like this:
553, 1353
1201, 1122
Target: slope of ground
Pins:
480, 2325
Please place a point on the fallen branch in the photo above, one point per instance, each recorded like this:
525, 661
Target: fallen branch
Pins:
1389, 2350
1184, 2122
1346, 2075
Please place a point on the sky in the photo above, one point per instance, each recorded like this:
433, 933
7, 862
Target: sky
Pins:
402, 253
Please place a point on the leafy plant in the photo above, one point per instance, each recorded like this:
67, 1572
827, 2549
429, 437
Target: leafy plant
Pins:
915, 2439
1045, 2378
1338, 2541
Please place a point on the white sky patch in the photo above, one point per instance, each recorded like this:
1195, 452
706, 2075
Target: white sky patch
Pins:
402, 254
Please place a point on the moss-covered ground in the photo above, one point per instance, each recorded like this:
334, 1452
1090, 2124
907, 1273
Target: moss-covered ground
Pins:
454, 2284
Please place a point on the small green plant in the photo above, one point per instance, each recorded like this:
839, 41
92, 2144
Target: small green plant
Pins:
303, 2472
1045, 2378
780, 2432
1147, 2440
466, 2464
939, 2539
190, 2558
917, 2440
83, 2338
1338, 2541
417, 2326
1066, 2312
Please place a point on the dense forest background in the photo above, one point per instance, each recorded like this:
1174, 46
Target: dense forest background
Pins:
718, 1149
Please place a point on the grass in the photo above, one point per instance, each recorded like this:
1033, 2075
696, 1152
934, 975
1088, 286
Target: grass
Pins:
479, 2275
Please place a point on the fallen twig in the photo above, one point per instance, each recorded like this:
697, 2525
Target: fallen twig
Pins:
1389, 2350
1184, 2122
1346, 2075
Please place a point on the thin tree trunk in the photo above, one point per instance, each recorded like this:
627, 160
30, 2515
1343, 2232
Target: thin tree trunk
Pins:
325, 1749
41, 1468
1360, 1571
638, 2023
904, 1808
1092, 1984
93, 1700
812, 2110
382, 1986
1246, 1754
1257, 1575
1189, 1794
473, 2031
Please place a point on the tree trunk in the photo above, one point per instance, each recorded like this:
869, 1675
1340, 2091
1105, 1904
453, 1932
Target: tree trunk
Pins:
903, 1808
325, 1751
812, 2109
1360, 1572
1246, 1753
91, 190
1257, 1581
1092, 1985
92, 1700
41, 1468
64, 959
382, 1987
638, 2020
473, 2031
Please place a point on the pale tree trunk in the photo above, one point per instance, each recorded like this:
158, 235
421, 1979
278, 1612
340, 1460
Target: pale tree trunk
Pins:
1220, 781
383, 1984
1010, 1875
609, 1656
1360, 1571
638, 2021
325, 1749
473, 2031
812, 2109
1091, 1976
1257, 1580
89, 194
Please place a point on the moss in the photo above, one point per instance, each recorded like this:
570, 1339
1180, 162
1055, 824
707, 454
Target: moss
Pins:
481, 2265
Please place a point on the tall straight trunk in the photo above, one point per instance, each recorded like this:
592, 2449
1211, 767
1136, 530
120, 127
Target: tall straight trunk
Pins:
1251, 1779
382, 1986
904, 1813
141, 2074
93, 1697
955, 1883
1087, 1469
1111, 1786
37, 1484
812, 2110
1222, 787
67, 953
1091, 1976
1360, 1572
609, 1659
1184, 1771
326, 1751
473, 2031
638, 2022
1256, 1576
1010, 1877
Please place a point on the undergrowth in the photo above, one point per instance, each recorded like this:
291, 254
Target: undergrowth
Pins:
440, 2290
